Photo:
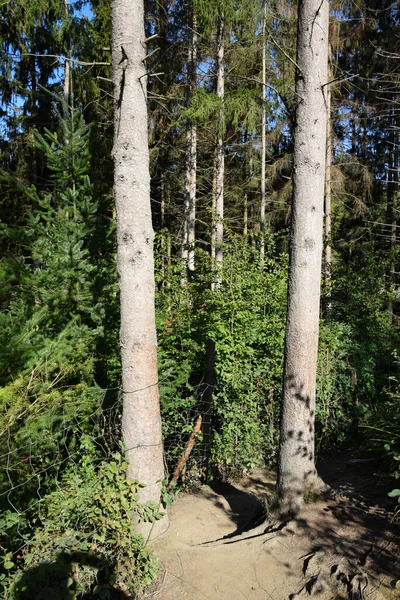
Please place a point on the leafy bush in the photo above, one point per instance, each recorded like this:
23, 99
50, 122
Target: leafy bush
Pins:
66, 521
244, 319
83, 539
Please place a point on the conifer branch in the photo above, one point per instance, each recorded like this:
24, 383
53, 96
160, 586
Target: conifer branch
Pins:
284, 53
60, 57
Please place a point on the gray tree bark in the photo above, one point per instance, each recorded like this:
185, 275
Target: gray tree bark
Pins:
67, 65
189, 224
296, 462
141, 422
219, 165
328, 192
263, 137
392, 210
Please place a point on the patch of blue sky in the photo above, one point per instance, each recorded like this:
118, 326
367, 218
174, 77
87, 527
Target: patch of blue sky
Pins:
15, 107
84, 11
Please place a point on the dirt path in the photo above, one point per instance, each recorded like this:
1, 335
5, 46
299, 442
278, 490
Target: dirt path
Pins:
335, 550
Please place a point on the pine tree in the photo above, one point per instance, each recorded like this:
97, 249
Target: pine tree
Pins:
141, 421
296, 464
55, 271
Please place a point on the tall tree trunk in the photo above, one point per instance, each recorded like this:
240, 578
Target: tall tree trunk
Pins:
296, 463
219, 165
328, 215
67, 72
246, 186
245, 214
141, 422
392, 195
263, 137
162, 228
67, 76
189, 233
67, 67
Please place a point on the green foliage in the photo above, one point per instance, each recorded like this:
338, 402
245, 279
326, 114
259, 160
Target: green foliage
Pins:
356, 351
53, 320
63, 495
245, 319
383, 434
169, 492
383, 427
336, 411
396, 494
83, 539
66, 522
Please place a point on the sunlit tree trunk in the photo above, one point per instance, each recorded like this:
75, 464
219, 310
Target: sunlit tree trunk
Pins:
246, 186
67, 75
296, 463
67, 67
189, 233
392, 210
141, 422
328, 194
263, 138
219, 165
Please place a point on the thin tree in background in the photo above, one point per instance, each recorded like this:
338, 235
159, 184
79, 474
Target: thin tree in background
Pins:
263, 135
392, 210
141, 422
328, 189
219, 165
189, 222
296, 463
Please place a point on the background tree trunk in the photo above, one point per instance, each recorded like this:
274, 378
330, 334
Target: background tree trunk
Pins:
328, 191
189, 232
263, 137
141, 422
218, 188
392, 195
296, 467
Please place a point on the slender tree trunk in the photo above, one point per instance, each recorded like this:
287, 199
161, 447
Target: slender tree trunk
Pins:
213, 213
251, 207
67, 67
296, 466
245, 215
392, 195
162, 231
34, 118
246, 187
263, 138
218, 187
67, 73
328, 215
67, 76
189, 233
141, 422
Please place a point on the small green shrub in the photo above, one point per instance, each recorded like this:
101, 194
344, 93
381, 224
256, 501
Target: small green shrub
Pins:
245, 320
83, 539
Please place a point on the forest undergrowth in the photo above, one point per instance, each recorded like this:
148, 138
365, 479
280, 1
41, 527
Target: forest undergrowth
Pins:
65, 505
64, 498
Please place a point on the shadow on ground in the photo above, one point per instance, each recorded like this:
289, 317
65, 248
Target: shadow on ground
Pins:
353, 543
243, 501
342, 547
59, 580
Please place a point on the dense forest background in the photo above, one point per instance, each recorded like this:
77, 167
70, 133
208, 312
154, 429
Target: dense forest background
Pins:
221, 299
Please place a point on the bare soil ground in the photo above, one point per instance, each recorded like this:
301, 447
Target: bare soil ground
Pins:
218, 545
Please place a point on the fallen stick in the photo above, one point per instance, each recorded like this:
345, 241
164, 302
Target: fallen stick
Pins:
187, 450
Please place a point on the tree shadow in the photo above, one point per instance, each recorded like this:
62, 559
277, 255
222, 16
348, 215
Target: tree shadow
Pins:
246, 510
352, 542
62, 579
